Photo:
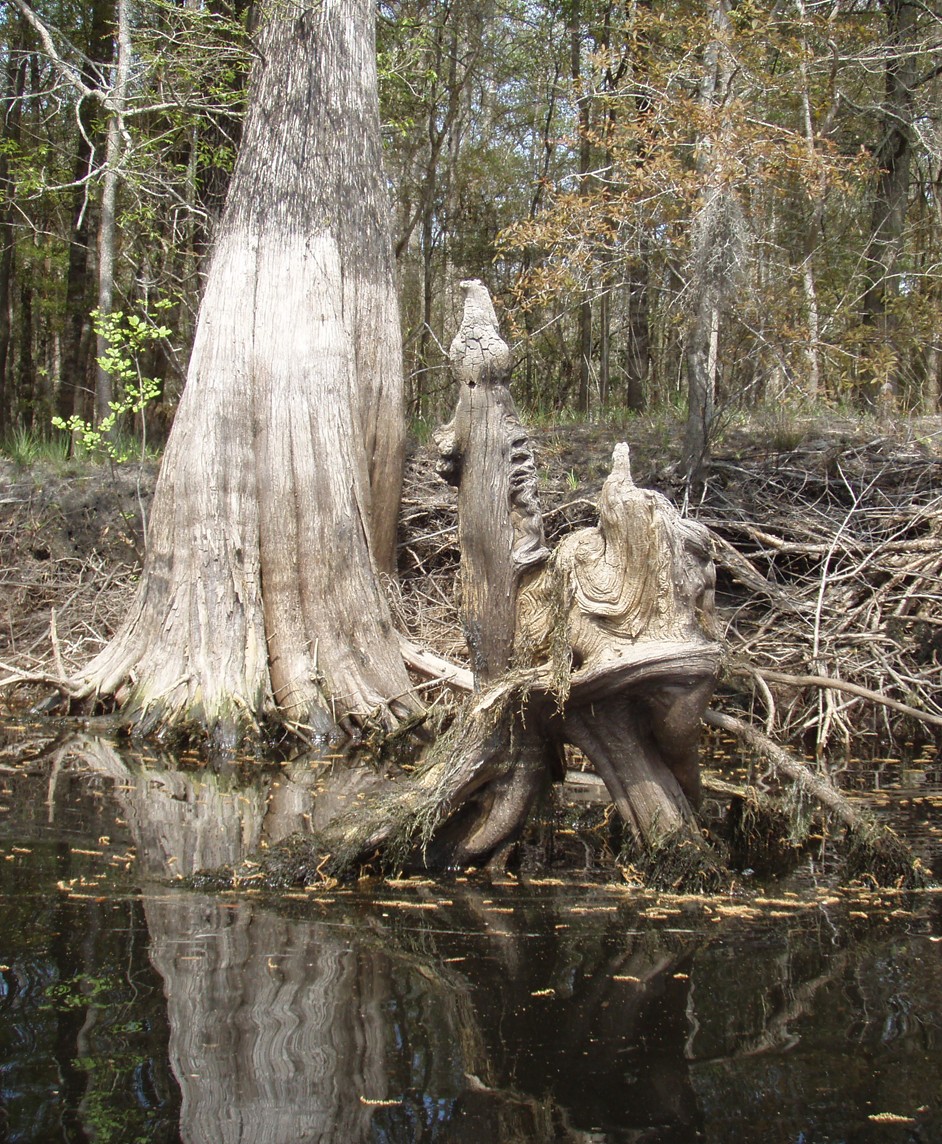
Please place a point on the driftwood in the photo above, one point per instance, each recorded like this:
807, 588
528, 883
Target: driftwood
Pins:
605, 644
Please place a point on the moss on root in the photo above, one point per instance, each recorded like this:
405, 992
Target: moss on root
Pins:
761, 835
769, 834
876, 854
298, 860
680, 863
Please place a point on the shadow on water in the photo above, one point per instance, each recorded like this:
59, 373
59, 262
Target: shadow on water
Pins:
133, 1010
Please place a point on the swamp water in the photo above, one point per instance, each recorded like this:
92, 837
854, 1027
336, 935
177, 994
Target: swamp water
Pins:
548, 1010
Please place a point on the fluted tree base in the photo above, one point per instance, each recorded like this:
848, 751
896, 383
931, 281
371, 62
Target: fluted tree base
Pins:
276, 510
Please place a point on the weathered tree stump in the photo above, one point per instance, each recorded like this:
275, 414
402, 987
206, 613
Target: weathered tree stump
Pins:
635, 594
485, 452
605, 644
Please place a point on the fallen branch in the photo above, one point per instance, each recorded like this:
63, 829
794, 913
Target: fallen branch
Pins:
875, 850
745, 572
435, 666
17, 676
822, 790
771, 676
56, 650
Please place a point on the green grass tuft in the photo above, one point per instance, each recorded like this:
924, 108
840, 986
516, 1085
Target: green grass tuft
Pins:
26, 447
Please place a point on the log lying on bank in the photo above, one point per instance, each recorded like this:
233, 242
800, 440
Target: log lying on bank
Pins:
605, 644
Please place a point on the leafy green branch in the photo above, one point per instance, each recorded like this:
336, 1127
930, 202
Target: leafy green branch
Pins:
126, 336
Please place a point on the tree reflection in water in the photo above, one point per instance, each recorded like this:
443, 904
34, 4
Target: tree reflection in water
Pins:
489, 1016
466, 1013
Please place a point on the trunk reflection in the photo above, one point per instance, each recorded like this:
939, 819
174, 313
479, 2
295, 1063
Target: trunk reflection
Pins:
447, 1022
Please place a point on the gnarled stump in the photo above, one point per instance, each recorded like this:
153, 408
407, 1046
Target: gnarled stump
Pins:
606, 644
634, 592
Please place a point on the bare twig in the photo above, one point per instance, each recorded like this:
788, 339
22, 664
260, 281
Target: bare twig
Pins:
825, 681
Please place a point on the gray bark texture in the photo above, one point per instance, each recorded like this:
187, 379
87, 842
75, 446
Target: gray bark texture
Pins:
108, 223
484, 450
276, 508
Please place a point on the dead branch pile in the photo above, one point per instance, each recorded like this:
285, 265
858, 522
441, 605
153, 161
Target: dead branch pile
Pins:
424, 599
67, 567
830, 575
838, 634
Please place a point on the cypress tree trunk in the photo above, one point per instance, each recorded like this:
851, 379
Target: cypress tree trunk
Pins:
276, 507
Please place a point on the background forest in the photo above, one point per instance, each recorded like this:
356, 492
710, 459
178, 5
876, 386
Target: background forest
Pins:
688, 203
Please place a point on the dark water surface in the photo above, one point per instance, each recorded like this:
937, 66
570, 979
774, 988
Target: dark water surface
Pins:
133, 1010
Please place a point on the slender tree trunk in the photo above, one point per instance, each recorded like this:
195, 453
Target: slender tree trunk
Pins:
277, 503
458, 44
702, 345
710, 263
15, 77
547, 148
77, 331
815, 127
108, 225
585, 356
638, 340
808, 278
607, 294
71, 396
891, 196
585, 154
6, 278
25, 365
428, 276
605, 342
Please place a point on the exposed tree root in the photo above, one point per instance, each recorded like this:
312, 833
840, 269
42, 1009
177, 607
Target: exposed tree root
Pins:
877, 855
450, 815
